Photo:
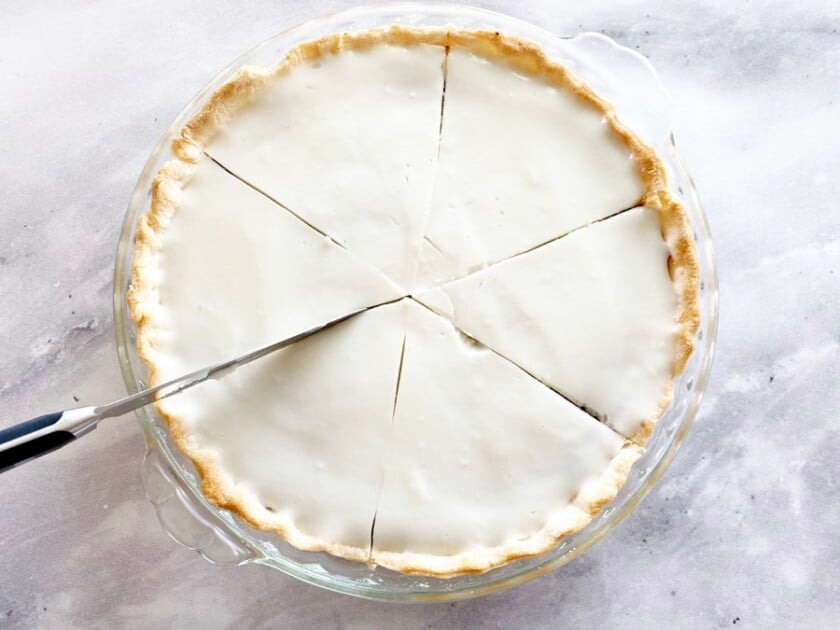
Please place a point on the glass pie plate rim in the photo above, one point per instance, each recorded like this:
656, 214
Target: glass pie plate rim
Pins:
625, 79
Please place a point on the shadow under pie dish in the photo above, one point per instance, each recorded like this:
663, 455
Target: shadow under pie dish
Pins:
500, 213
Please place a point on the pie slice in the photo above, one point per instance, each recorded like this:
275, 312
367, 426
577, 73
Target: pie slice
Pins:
294, 442
220, 269
486, 464
594, 315
526, 155
344, 133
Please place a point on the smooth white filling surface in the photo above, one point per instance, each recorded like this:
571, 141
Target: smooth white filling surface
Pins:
348, 142
590, 314
473, 454
304, 430
521, 162
238, 272
482, 456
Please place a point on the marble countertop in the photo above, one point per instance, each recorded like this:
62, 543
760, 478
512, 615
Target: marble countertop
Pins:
742, 529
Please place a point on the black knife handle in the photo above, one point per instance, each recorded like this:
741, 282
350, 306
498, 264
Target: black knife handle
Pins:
33, 448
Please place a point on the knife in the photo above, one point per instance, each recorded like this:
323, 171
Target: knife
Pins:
38, 436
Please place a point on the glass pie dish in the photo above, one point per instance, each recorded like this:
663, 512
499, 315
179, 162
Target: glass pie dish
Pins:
622, 77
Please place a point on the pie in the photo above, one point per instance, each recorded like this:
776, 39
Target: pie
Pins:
527, 279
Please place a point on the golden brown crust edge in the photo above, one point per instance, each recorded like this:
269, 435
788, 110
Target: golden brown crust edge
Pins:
144, 307
528, 58
589, 501
685, 274
570, 520
242, 89
143, 294
245, 85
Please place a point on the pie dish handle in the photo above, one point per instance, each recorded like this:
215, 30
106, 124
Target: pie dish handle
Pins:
626, 79
185, 519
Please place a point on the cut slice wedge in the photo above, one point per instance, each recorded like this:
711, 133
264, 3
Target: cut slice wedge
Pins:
189, 294
294, 442
524, 157
593, 315
344, 135
486, 464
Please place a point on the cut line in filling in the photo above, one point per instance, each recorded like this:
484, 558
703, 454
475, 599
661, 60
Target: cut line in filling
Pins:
426, 238
413, 479
617, 305
467, 336
430, 196
279, 203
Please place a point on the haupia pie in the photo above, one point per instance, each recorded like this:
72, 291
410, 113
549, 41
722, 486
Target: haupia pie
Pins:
529, 281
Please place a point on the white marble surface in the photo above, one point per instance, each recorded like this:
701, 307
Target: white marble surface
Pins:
743, 528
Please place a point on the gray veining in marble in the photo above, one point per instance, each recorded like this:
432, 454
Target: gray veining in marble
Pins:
741, 531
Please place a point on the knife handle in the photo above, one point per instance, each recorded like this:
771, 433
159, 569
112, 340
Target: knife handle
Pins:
38, 436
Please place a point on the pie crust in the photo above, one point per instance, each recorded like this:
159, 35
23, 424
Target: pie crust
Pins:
245, 88
465, 496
